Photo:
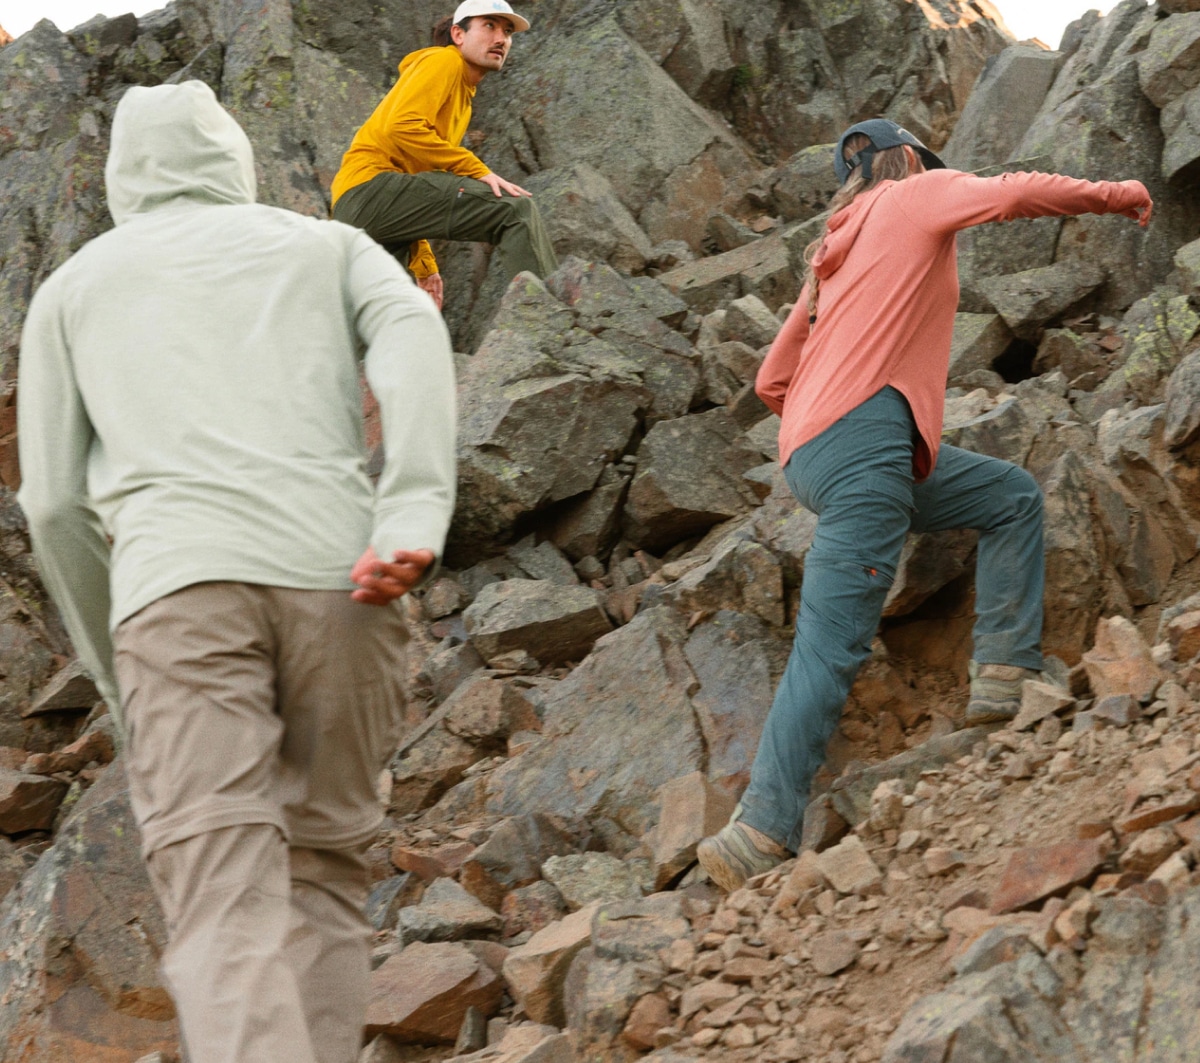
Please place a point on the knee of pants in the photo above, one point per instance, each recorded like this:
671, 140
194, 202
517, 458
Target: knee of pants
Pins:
1024, 492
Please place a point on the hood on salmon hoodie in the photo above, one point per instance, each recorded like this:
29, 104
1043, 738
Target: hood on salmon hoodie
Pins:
173, 144
842, 231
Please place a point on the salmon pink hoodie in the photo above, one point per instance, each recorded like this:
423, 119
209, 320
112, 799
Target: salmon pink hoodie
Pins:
889, 292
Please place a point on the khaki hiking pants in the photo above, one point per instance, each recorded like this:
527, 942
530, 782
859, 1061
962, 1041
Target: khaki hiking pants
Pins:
259, 719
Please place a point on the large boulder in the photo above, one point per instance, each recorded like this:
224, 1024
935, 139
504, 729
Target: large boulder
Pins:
1007, 96
604, 755
551, 623
80, 940
544, 408
689, 477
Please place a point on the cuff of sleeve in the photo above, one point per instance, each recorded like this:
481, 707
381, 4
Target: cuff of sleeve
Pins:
421, 262
416, 527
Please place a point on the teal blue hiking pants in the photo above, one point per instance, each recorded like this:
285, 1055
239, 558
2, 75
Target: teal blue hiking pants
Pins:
857, 477
397, 209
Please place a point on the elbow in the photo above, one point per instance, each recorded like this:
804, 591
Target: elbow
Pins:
46, 514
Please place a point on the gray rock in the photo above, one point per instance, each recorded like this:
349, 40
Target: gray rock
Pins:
1007, 431
1006, 98
737, 661
550, 622
586, 217
803, 186
386, 899
71, 690
1032, 298
851, 791
689, 477
761, 269
589, 527
750, 321
86, 910
605, 756
583, 878
1157, 329
928, 562
513, 856
979, 339
1182, 418
447, 912
1001, 944
1170, 64
543, 561
636, 930
544, 408
743, 577
598, 996
1073, 544
691, 44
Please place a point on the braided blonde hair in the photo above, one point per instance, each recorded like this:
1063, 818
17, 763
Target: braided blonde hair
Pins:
891, 164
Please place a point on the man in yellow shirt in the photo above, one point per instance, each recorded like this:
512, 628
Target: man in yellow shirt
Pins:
407, 179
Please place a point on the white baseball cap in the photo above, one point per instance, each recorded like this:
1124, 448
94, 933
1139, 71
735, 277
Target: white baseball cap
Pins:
475, 8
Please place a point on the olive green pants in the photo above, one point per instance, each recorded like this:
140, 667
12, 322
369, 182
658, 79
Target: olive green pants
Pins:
397, 209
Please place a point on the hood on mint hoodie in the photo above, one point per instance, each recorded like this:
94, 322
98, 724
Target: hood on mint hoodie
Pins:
173, 143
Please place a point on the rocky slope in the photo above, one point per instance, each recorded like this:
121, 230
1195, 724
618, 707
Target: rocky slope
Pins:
592, 668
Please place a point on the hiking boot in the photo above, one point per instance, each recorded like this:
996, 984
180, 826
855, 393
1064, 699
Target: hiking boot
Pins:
738, 852
995, 691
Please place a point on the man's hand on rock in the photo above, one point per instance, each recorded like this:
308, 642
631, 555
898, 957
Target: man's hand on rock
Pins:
433, 285
498, 185
380, 582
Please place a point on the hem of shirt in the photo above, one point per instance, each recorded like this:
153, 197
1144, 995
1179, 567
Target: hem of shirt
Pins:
125, 606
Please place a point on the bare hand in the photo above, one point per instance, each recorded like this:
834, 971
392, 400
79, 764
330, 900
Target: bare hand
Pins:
498, 185
381, 582
433, 285
1140, 212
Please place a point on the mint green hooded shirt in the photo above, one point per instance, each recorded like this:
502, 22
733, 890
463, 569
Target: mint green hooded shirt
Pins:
188, 387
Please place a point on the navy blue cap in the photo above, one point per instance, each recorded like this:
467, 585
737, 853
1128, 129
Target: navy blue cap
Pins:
882, 133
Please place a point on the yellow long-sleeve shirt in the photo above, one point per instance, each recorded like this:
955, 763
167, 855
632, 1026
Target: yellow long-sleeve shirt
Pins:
418, 126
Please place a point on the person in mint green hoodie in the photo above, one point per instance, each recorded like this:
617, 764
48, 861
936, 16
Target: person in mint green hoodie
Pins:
196, 488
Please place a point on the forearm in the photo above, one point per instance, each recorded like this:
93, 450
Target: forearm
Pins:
422, 143
410, 368
778, 368
72, 555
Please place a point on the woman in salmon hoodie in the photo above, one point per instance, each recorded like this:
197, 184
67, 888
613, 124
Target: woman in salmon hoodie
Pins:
858, 376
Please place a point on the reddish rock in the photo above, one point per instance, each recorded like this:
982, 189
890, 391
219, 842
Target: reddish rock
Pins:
849, 867
1148, 850
530, 908
1117, 710
70, 690
1183, 634
743, 969
1120, 662
513, 856
1145, 818
692, 809
420, 995
28, 802
1036, 873
443, 861
833, 952
96, 746
649, 1015
536, 970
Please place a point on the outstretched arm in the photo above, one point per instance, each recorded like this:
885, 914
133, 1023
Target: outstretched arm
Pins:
945, 201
